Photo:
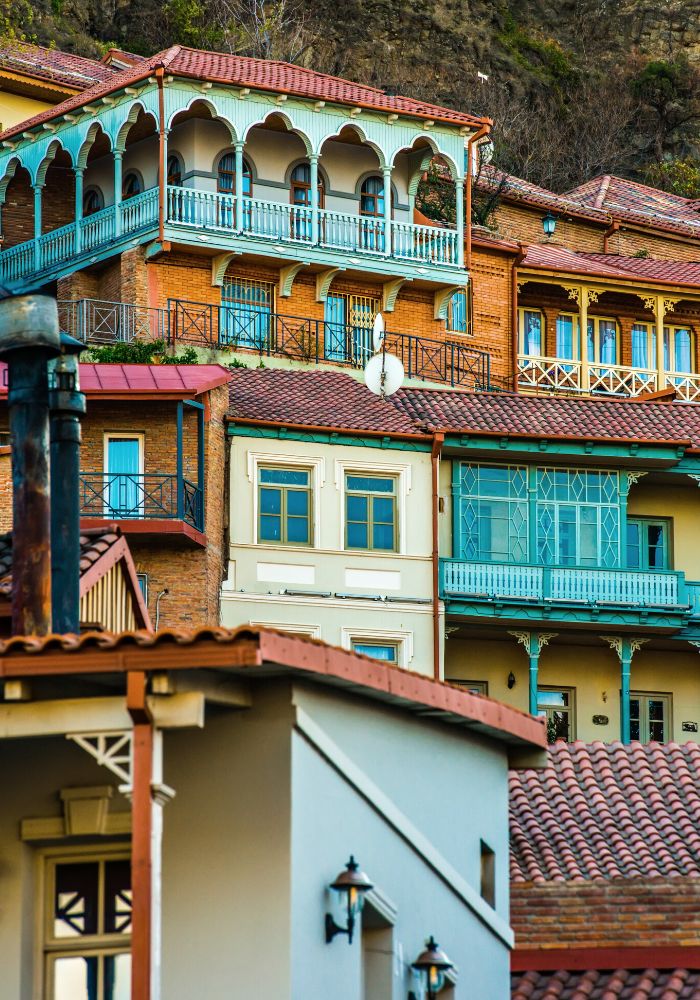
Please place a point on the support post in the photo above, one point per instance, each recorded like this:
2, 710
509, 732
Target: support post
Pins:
313, 178
386, 172
141, 838
238, 194
37, 225
79, 177
180, 484
459, 219
117, 192
625, 647
659, 316
533, 643
583, 339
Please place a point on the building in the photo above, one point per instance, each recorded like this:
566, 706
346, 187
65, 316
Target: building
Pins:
305, 755
604, 873
153, 464
330, 527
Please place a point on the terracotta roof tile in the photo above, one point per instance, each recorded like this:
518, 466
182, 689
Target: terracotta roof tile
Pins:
312, 399
557, 258
618, 984
260, 74
516, 189
634, 202
607, 811
94, 542
53, 65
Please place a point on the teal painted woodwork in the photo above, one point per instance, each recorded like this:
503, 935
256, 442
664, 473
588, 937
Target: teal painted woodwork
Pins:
349, 440
501, 447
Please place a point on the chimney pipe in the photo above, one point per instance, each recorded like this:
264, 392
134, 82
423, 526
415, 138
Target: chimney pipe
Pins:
67, 405
28, 339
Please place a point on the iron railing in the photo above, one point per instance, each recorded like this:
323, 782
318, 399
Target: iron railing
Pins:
100, 322
127, 496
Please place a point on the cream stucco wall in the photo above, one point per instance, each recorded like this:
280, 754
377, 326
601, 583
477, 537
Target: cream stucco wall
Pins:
679, 500
260, 573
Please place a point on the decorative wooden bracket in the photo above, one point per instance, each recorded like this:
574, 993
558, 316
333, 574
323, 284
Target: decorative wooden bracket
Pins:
390, 290
323, 282
441, 300
219, 265
287, 276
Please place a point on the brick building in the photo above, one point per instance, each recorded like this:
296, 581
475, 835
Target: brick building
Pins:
605, 873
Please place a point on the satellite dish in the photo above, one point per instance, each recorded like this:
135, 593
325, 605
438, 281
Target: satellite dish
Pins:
378, 332
384, 374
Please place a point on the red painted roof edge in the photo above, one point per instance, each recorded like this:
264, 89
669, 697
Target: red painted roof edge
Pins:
165, 392
579, 959
630, 276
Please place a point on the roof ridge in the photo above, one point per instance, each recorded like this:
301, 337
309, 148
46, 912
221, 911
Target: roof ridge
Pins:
603, 190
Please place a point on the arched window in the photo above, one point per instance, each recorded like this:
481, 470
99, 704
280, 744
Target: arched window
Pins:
372, 197
131, 185
226, 179
93, 201
300, 192
174, 171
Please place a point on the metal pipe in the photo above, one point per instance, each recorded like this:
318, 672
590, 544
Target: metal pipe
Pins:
67, 405
438, 441
473, 138
29, 338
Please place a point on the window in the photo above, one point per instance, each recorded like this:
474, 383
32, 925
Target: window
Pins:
494, 513
387, 651
567, 336
648, 543
124, 481
226, 177
577, 517
143, 585
370, 512
93, 201
284, 506
488, 874
679, 350
531, 333
650, 717
131, 185
174, 171
300, 192
602, 340
246, 313
87, 928
372, 197
457, 319
349, 320
473, 687
643, 346
556, 705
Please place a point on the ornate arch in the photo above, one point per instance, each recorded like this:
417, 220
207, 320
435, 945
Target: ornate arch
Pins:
209, 104
10, 172
120, 141
89, 141
366, 141
49, 156
291, 127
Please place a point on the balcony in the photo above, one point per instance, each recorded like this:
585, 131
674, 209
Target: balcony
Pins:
542, 374
574, 595
247, 225
272, 335
141, 497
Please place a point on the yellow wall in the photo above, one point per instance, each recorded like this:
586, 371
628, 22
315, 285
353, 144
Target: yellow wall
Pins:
681, 503
16, 108
593, 670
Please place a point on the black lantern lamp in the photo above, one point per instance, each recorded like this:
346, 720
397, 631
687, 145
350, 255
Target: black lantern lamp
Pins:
549, 224
354, 885
432, 964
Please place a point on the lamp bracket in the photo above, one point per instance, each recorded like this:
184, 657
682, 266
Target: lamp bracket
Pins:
332, 928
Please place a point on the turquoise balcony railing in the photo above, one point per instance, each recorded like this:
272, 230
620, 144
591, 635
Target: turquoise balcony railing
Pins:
565, 587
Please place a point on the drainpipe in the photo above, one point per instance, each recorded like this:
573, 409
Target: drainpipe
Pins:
519, 257
614, 227
67, 404
438, 441
162, 166
484, 130
29, 338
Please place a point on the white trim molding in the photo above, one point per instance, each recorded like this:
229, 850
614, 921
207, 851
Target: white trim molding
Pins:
403, 638
403, 474
318, 477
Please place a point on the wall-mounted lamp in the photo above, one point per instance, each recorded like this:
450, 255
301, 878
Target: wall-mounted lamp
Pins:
549, 224
511, 681
432, 964
354, 885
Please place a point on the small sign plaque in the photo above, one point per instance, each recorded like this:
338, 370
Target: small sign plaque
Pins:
600, 720
689, 727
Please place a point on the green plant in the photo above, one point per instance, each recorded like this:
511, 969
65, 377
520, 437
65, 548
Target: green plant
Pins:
141, 352
680, 176
235, 363
188, 357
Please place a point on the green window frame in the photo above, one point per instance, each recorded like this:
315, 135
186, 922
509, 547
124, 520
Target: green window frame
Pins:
473, 687
650, 716
493, 512
285, 502
371, 512
649, 543
558, 706
578, 517
388, 652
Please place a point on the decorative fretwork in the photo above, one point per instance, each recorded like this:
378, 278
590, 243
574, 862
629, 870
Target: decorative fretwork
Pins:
533, 641
112, 750
617, 643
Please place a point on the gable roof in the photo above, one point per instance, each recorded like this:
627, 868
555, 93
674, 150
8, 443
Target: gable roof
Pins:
635, 202
606, 811
518, 190
53, 65
619, 984
552, 257
258, 74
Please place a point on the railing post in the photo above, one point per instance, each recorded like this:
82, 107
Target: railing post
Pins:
79, 175
459, 219
117, 192
180, 484
386, 172
238, 193
313, 170
37, 225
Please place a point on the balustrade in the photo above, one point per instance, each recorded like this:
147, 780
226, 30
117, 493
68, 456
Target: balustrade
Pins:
149, 496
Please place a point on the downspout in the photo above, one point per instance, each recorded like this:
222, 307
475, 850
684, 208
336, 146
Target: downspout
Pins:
438, 440
160, 74
519, 257
484, 130
608, 233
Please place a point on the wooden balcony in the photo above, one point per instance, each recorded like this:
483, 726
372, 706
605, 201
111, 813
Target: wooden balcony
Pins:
561, 376
141, 500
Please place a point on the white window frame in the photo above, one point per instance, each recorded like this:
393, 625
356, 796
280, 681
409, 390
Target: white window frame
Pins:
308, 631
401, 638
125, 435
317, 467
402, 474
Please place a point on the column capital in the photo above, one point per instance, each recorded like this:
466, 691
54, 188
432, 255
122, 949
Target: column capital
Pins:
239, 144
38, 186
387, 169
314, 157
118, 154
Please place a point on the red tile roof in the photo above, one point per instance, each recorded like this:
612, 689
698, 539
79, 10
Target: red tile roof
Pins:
603, 811
620, 984
52, 65
326, 399
258, 74
551, 257
634, 202
94, 544
519, 190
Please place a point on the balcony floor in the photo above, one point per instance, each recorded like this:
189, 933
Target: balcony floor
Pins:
178, 532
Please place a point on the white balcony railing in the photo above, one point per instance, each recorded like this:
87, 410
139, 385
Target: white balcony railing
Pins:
565, 376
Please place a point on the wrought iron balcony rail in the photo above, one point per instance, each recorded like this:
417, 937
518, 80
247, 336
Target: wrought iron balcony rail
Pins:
127, 496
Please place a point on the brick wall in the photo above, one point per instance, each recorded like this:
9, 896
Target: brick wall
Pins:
607, 913
491, 282
524, 224
18, 210
629, 242
58, 198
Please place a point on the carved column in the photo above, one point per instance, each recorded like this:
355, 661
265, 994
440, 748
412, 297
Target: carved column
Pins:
625, 647
533, 643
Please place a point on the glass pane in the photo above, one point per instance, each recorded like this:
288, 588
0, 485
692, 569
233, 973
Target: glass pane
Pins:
683, 360
552, 699
356, 507
75, 978
532, 333
383, 509
635, 728
117, 916
118, 977
370, 484
378, 651
383, 537
633, 545
298, 530
657, 713
270, 501
357, 535
608, 341
640, 346
565, 337
285, 477
76, 896
270, 528
297, 503
656, 546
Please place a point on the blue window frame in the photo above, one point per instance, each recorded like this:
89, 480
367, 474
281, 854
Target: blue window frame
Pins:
494, 513
387, 651
123, 493
348, 327
648, 543
531, 332
370, 513
246, 313
578, 517
457, 312
284, 506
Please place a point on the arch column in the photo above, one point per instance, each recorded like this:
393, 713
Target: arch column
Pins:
625, 647
386, 172
459, 218
239, 185
313, 178
38, 188
533, 643
79, 179
118, 192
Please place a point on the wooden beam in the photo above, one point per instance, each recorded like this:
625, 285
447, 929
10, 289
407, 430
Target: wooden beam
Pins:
141, 834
